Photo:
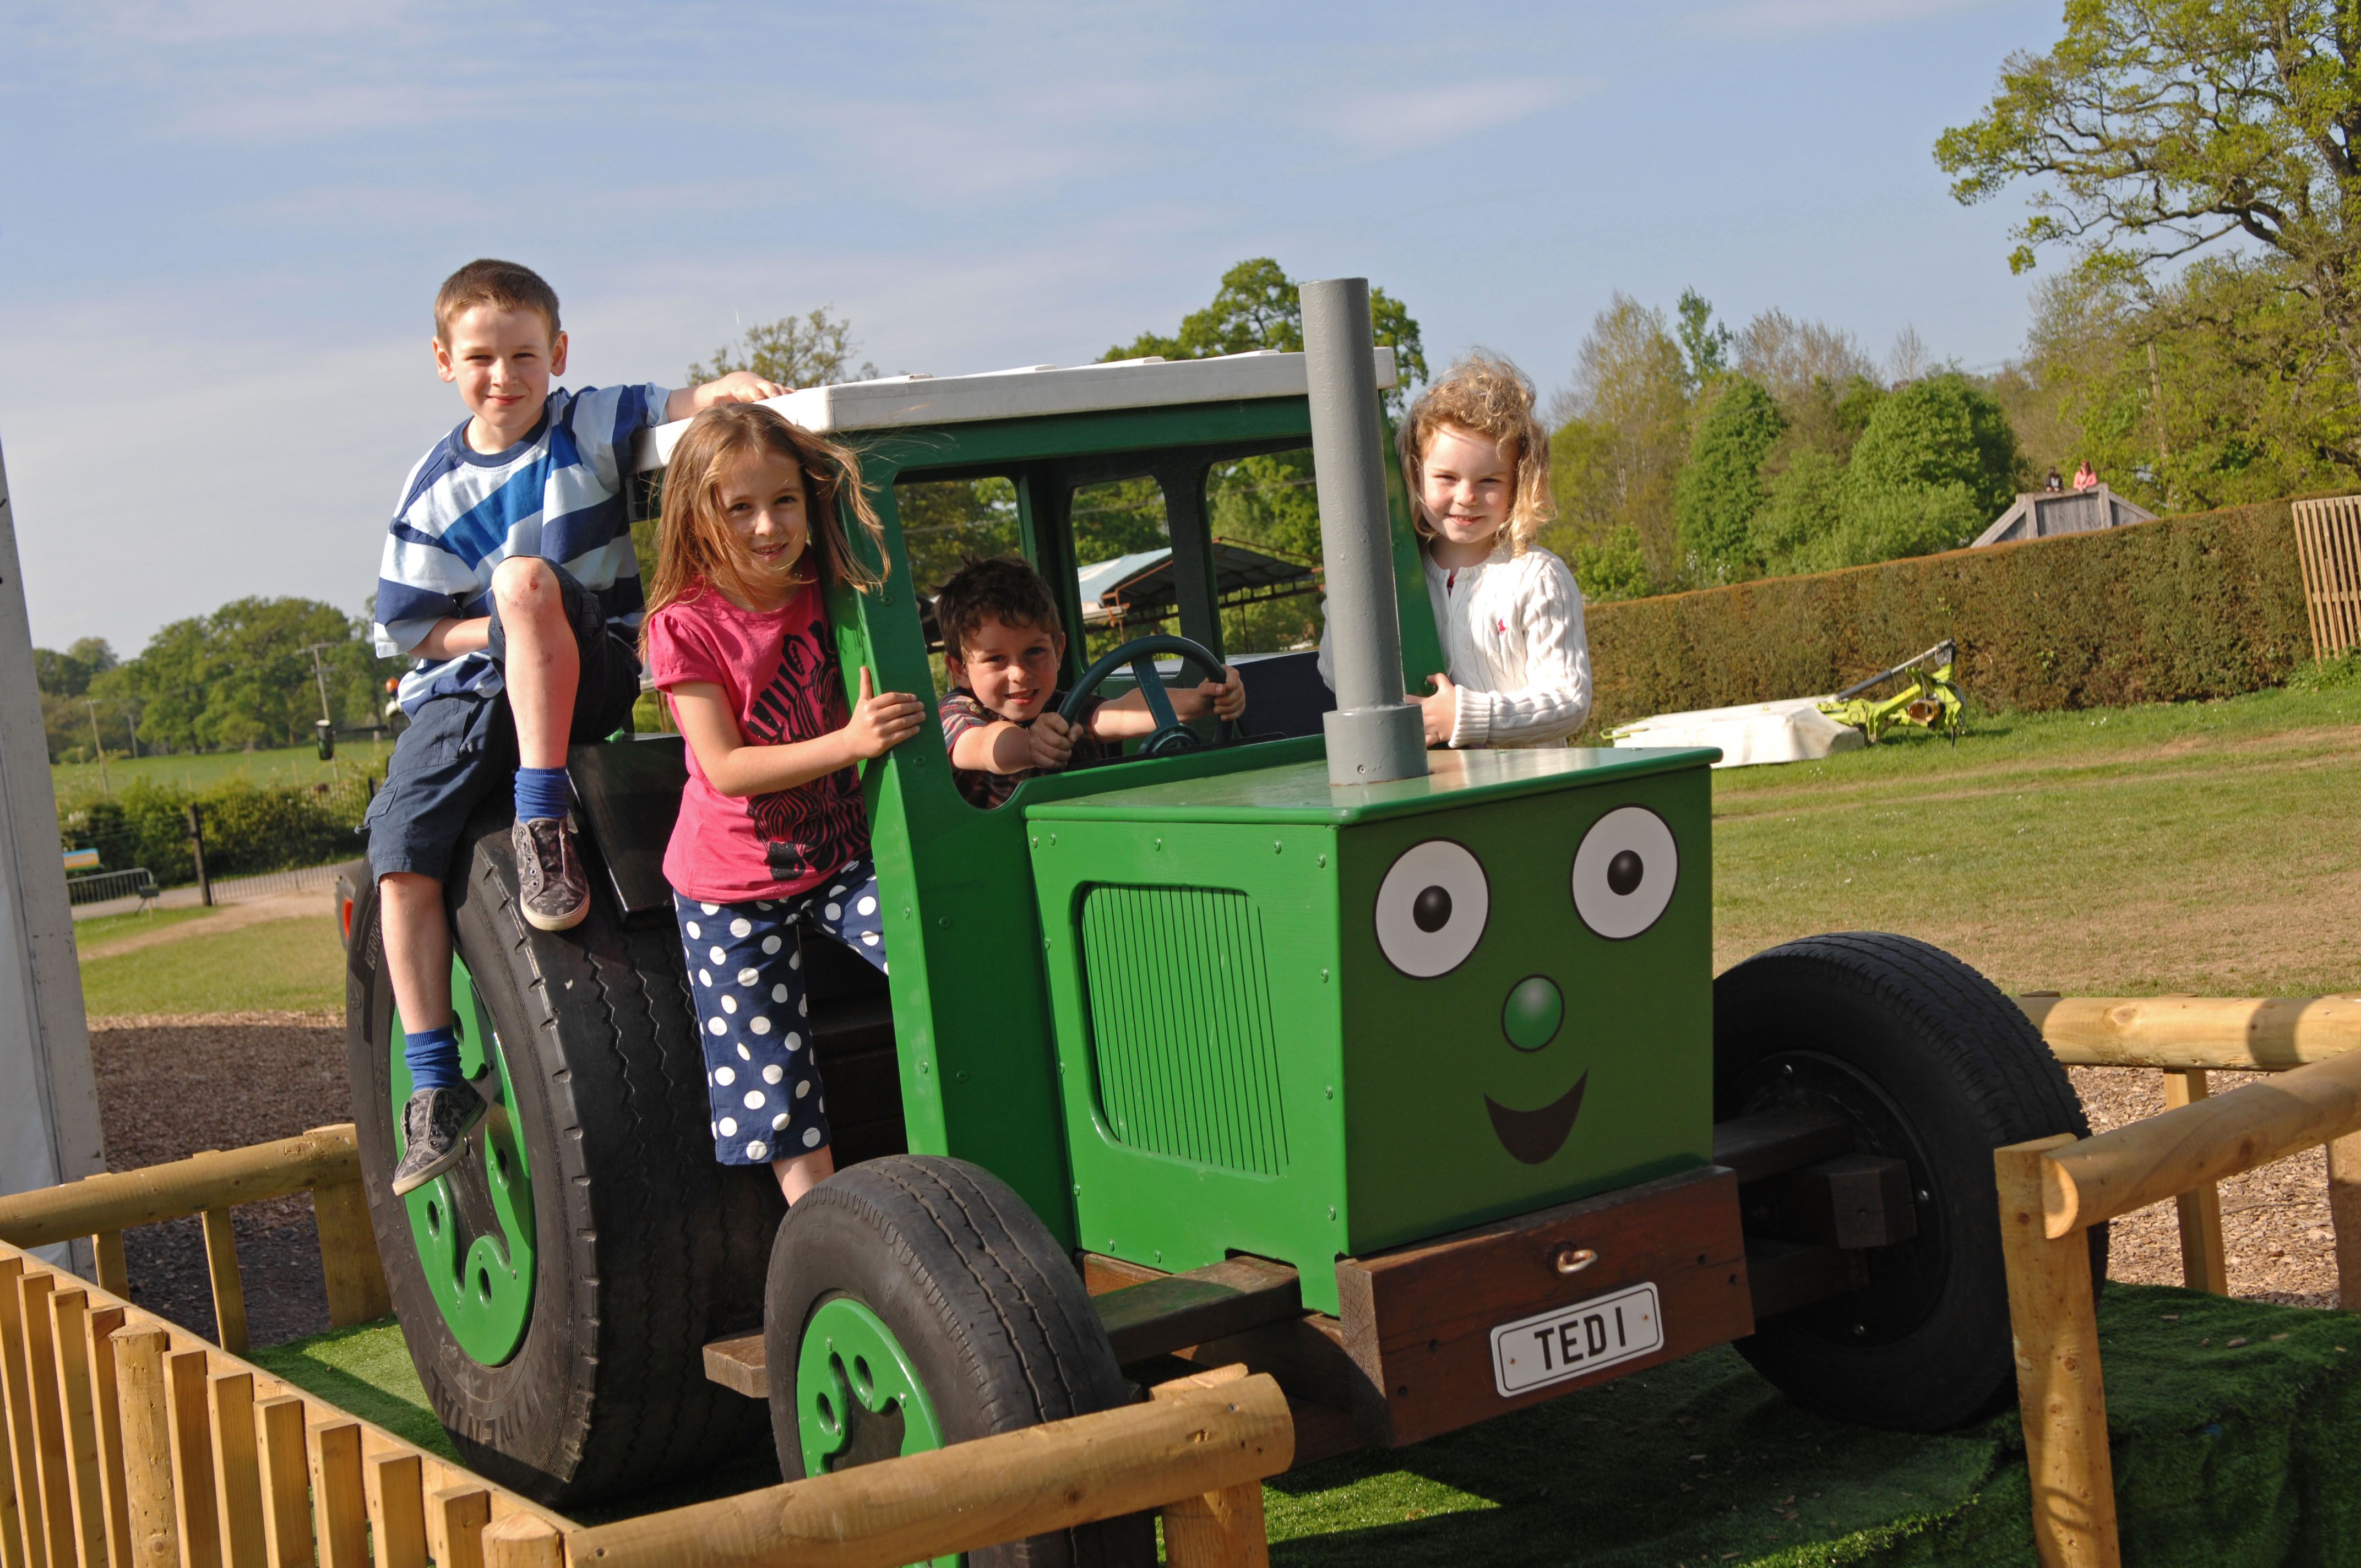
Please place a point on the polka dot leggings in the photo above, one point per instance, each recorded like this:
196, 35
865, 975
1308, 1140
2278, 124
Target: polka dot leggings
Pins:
746, 976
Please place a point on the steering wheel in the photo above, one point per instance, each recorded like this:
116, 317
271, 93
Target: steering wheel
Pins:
1171, 737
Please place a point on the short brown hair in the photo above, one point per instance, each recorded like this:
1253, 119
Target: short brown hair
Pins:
1001, 588
695, 554
503, 285
1486, 396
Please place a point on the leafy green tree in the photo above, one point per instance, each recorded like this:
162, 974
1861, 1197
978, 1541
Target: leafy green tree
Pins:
1259, 306
2159, 128
815, 350
1720, 487
243, 677
1613, 567
1802, 507
1629, 395
1704, 341
1942, 430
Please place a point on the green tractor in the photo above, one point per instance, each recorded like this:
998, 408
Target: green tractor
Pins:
1404, 1078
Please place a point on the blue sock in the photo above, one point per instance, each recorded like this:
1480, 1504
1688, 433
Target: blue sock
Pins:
434, 1059
540, 792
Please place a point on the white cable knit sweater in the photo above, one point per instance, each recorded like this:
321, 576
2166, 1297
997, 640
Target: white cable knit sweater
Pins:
1513, 645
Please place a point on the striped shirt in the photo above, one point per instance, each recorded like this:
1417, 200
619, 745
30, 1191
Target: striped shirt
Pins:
556, 494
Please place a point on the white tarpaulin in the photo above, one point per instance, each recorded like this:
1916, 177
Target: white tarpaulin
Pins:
49, 1104
1795, 730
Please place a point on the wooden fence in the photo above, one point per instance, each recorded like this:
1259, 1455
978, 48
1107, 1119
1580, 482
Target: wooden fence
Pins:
2328, 542
2052, 1191
325, 1162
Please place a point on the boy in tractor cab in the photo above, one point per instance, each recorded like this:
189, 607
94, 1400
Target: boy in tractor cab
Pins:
509, 576
1002, 646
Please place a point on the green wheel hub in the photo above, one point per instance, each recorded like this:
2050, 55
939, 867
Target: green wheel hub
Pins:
857, 1398
472, 1225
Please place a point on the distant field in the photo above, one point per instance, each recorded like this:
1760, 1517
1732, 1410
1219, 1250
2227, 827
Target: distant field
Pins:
297, 965
202, 770
2212, 849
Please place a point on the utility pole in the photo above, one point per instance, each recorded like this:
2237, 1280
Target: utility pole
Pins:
96, 744
328, 725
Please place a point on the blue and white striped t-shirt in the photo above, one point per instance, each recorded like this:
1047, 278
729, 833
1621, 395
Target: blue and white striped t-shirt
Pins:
556, 494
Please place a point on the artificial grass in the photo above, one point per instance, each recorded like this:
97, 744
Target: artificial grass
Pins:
2225, 1455
296, 964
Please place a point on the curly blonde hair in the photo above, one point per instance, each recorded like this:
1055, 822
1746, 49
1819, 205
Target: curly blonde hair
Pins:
1484, 395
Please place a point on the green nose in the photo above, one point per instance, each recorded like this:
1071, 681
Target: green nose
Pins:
1532, 1013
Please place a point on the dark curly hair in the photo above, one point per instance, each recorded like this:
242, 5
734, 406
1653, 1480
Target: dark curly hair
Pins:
1001, 588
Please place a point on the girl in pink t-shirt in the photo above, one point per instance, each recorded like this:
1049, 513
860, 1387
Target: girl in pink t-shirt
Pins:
770, 833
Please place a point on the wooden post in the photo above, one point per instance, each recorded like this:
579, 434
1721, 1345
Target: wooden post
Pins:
2204, 1266
33, 1291
348, 1255
1215, 1529
286, 1484
114, 1275
2054, 1322
70, 1336
2345, 1212
397, 1511
146, 1448
237, 1470
521, 1540
24, 1441
105, 1405
337, 1496
456, 1518
187, 1376
12, 1524
229, 1291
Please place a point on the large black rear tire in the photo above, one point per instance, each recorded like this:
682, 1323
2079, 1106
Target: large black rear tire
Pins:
648, 1248
941, 1264
1934, 1066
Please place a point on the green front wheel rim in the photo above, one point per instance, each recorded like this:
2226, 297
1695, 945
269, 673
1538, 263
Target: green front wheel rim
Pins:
473, 1225
857, 1398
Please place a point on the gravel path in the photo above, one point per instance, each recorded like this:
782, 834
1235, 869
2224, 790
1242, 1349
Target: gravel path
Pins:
171, 1086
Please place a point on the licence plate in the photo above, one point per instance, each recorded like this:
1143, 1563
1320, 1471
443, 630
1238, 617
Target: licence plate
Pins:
1572, 1341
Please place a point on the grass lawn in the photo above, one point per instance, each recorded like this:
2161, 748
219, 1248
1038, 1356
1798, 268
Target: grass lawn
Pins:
202, 770
2205, 847
297, 965
98, 928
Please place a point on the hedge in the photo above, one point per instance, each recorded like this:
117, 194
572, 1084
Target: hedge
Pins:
249, 828
2206, 605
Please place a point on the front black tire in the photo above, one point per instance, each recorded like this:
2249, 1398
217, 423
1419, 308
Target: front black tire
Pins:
989, 1312
1934, 1066
648, 1248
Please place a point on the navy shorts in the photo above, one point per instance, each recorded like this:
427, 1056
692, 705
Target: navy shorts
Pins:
462, 747
746, 978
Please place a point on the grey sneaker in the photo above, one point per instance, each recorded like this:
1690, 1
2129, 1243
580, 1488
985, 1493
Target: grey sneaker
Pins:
434, 1127
550, 881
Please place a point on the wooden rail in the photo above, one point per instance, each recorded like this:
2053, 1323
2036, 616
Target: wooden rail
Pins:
2052, 1191
325, 1162
132, 1443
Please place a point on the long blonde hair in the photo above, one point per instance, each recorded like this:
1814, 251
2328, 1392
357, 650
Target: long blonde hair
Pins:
693, 550
1484, 395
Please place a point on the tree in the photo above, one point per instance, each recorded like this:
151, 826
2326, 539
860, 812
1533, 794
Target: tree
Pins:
1704, 341
242, 677
1259, 306
1720, 487
1629, 395
2159, 127
1939, 432
816, 350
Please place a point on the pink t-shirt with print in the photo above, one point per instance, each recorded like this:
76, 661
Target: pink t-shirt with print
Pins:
778, 673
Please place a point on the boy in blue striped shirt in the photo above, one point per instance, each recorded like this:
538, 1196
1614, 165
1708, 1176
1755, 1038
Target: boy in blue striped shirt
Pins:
509, 577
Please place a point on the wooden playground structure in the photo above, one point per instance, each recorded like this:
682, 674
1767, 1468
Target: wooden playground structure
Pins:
133, 1444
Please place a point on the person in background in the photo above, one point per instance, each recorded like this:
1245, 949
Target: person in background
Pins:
2085, 477
2053, 483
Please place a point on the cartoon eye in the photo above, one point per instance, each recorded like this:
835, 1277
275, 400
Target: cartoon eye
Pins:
1431, 909
1625, 871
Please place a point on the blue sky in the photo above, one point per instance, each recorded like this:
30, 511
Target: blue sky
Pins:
221, 224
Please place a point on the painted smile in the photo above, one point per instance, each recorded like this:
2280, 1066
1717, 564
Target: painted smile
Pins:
1533, 1136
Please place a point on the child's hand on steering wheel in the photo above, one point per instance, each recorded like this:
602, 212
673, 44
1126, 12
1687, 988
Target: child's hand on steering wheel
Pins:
1052, 740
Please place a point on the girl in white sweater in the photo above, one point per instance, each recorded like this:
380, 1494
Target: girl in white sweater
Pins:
1476, 463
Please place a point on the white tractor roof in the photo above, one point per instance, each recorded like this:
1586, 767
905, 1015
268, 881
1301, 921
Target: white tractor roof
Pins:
1028, 391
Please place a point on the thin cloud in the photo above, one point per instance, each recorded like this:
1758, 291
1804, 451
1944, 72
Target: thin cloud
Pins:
1404, 122
1795, 19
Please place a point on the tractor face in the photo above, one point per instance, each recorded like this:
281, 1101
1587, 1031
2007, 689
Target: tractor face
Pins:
1303, 1025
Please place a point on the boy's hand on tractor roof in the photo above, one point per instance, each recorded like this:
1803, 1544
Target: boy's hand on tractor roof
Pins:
882, 722
1052, 740
738, 387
